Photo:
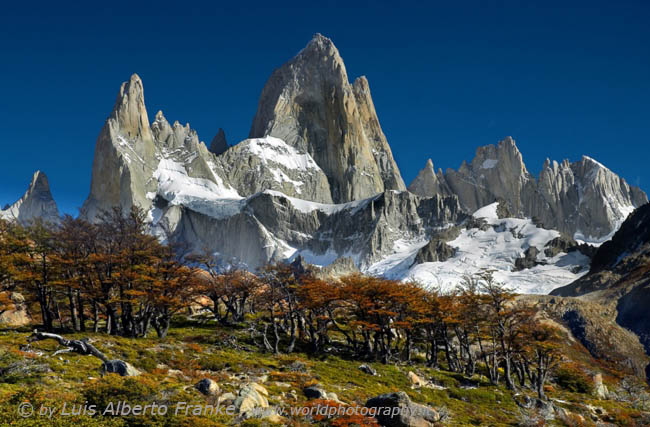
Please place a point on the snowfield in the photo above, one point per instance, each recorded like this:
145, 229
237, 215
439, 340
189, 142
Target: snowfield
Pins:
274, 150
200, 195
493, 249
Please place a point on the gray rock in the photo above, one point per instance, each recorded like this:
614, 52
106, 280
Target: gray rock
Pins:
529, 260
251, 397
410, 414
367, 369
583, 198
297, 366
340, 267
435, 250
124, 156
219, 143
428, 182
255, 165
310, 104
37, 202
119, 367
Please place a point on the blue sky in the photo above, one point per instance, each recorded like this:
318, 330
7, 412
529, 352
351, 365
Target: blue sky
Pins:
446, 77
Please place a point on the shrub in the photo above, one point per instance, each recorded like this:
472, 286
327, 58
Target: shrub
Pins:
571, 377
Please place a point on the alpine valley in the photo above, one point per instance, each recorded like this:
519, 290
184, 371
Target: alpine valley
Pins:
316, 182
294, 278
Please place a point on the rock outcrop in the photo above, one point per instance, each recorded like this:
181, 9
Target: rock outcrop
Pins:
428, 182
219, 143
37, 202
435, 250
310, 104
620, 275
119, 367
583, 199
124, 155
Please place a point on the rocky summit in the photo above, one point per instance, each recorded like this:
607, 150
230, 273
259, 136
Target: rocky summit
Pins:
583, 199
316, 181
310, 104
37, 202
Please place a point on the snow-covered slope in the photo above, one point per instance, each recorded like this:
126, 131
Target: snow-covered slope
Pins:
495, 248
273, 197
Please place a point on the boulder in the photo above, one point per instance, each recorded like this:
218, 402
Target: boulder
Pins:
314, 392
119, 367
207, 387
16, 314
600, 389
529, 260
410, 414
367, 369
250, 397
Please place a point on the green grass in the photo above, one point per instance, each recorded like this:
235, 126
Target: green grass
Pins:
197, 351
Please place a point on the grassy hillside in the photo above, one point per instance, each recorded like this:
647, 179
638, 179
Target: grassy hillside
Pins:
195, 350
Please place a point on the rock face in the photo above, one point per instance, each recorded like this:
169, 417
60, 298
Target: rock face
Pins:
435, 250
310, 104
620, 275
529, 260
269, 163
219, 144
428, 182
317, 180
259, 201
583, 199
124, 155
37, 202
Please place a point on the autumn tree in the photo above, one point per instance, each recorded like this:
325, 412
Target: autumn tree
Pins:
35, 273
542, 343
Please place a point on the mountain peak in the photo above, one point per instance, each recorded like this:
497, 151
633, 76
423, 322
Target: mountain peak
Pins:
590, 160
129, 111
37, 202
320, 42
427, 183
310, 104
219, 143
39, 182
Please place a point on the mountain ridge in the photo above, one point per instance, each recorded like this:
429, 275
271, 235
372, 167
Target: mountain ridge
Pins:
316, 179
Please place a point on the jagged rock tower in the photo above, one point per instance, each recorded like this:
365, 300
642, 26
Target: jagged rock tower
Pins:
37, 202
310, 104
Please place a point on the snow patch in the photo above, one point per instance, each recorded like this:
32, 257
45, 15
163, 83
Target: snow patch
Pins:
275, 150
488, 212
306, 206
489, 163
496, 248
201, 195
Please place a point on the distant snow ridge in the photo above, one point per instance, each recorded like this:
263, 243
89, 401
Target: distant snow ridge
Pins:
496, 248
